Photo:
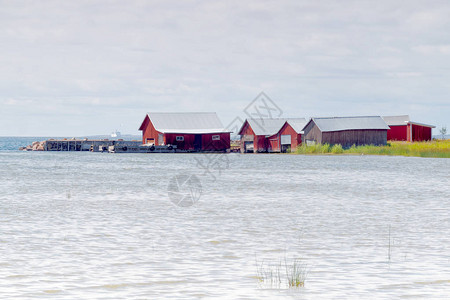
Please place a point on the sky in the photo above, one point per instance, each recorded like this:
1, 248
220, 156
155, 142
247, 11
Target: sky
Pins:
78, 68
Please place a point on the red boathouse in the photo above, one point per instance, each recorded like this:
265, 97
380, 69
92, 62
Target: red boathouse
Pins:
188, 131
288, 137
271, 135
403, 129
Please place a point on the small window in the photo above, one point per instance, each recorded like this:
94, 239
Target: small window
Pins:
180, 138
216, 137
310, 142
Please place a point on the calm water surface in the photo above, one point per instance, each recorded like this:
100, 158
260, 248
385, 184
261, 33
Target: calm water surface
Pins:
101, 226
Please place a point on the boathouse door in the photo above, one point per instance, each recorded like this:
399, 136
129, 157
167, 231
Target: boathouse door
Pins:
248, 147
285, 142
198, 142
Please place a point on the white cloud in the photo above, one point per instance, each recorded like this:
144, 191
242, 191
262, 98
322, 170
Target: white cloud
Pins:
433, 49
405, 74
121, 59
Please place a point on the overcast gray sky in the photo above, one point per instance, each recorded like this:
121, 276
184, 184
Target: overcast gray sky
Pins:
73, 68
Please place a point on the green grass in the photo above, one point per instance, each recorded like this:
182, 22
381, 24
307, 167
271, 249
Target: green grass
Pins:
314, 149
274, 275
435, 148
337, 149
296, 273
269, 275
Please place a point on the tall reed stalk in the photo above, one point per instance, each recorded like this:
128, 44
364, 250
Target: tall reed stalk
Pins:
271, 275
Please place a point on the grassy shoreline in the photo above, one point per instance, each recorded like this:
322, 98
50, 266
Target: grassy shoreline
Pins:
435, 148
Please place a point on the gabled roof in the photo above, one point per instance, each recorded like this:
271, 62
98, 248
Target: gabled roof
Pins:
396, 120
402, 120
348, 123
190, 123
297, 124
266, 127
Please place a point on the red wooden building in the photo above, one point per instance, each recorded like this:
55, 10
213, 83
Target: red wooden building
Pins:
188, 131
403, 129
271, 135
288, 137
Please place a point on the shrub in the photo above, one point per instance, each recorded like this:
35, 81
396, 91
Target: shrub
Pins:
337, 149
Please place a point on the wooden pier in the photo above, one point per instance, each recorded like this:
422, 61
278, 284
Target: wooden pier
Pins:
142, 149
111, 146
86, 145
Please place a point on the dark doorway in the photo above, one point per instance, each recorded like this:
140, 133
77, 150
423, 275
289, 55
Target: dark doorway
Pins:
248, 147
198, 142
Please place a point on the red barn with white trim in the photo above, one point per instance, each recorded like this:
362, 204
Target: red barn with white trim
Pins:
271, 135
403, 129
188, 131
289, 136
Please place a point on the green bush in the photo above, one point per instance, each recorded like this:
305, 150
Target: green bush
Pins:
313, 149
337, 149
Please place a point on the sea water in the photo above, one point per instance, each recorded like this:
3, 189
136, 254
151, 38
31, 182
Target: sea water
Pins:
81, 225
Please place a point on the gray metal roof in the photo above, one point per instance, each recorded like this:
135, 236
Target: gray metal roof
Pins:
297, 124
402, 120
349, 123
422, 124
194, 123
266, 127
272, 126
396, 120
